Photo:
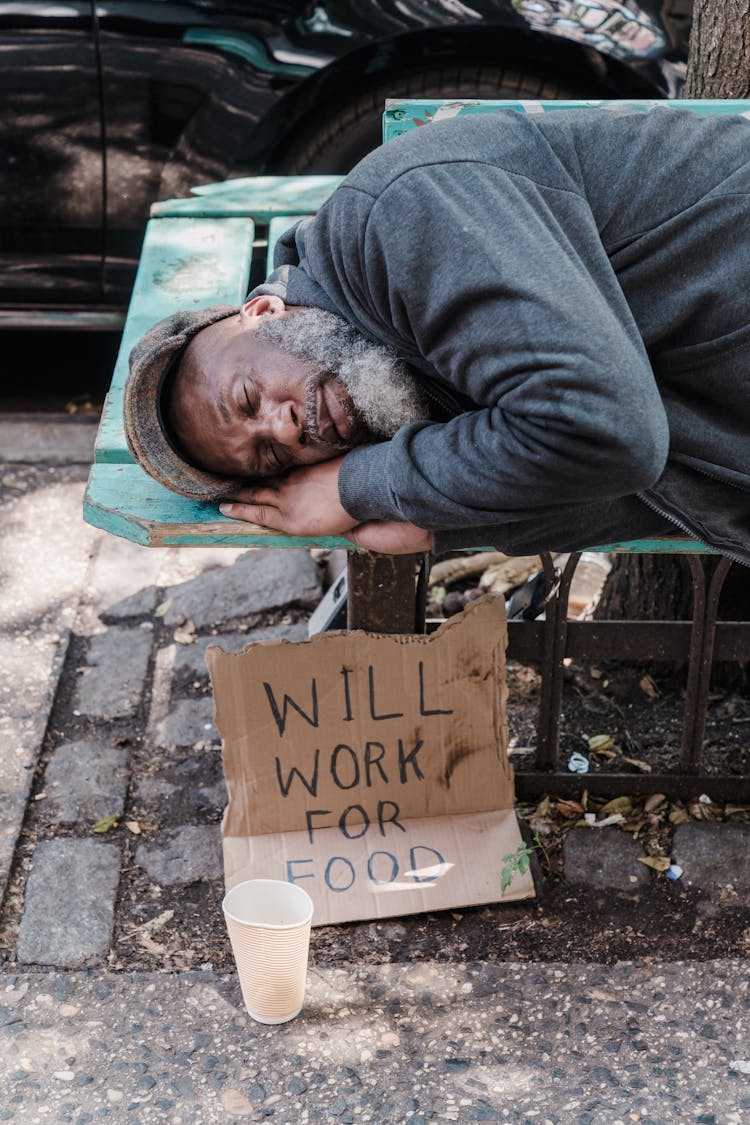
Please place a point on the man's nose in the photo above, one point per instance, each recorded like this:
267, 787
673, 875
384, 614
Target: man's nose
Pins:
285, 424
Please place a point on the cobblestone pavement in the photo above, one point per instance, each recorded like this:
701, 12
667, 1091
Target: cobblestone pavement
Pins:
106, 717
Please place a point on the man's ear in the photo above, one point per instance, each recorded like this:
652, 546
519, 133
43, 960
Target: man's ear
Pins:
265, 305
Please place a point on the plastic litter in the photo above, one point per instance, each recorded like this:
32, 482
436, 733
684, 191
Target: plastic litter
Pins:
577, 763
674, 872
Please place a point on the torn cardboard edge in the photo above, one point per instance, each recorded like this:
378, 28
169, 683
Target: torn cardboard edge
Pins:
341, 751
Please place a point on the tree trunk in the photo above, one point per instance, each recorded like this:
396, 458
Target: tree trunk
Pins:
719, 54
653, 587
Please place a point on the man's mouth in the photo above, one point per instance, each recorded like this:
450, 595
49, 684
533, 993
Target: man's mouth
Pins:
333, 424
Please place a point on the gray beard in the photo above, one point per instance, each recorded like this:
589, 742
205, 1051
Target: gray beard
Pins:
385, 393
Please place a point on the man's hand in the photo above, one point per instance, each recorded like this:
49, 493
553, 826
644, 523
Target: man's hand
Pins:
390, 537
303, 502
306, 502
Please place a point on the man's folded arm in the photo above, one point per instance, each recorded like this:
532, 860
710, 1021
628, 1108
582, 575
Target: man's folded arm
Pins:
525, 317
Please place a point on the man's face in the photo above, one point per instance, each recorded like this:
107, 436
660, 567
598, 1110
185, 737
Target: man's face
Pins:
243, 407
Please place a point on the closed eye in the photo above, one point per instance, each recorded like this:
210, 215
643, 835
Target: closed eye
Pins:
252, 398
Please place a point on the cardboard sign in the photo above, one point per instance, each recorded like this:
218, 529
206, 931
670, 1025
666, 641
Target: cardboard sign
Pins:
371, 768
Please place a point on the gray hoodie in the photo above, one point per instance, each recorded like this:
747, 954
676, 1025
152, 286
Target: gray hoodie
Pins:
575, 288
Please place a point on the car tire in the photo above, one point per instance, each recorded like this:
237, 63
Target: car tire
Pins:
352, 132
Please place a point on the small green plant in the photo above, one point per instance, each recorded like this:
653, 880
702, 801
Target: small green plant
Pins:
515, 863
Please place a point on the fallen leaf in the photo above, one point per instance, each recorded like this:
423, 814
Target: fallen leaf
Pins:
147, 942
599, 742
649, 687
106, 823
730, 810
638, 764
569, 808
618, 805
634, 826
653, 802
656, 862
133, 826
678, 816
544, 808
595, 673
185, 634
162, 608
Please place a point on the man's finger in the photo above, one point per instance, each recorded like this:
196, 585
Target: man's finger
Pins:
265, 493
262, 514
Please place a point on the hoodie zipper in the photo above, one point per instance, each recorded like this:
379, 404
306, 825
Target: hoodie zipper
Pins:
688, 532
437, 394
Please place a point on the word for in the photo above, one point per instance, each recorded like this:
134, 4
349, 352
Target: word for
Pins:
382, 868
377, 709
387, 814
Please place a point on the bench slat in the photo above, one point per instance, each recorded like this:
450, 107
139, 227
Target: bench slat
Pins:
124, 500
185, 263
263, 197
401, 115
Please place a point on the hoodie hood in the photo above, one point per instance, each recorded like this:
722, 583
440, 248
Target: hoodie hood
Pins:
290, 280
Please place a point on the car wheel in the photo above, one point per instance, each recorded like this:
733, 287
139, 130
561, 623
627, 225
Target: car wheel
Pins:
352, 132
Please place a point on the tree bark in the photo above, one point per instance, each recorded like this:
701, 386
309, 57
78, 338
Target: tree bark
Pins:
650, 586
719, 53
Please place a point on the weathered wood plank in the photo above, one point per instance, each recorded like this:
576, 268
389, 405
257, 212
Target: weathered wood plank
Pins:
401, 115
124, 500
261, 197
185, 264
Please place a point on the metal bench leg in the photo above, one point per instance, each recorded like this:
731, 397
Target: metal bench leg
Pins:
383, 593
705, 607
555, 628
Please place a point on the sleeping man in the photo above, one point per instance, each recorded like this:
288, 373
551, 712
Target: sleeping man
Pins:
524, 331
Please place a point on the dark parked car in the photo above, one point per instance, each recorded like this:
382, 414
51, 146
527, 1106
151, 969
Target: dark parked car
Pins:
108, 105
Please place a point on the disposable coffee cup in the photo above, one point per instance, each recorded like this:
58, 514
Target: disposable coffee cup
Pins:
269, 927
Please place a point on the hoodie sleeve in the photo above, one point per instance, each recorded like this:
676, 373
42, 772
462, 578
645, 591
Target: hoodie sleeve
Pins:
503, 286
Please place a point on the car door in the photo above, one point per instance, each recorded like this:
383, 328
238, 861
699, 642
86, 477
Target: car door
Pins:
185, 83
51, 173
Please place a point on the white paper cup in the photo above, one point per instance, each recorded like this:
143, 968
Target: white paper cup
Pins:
269, 927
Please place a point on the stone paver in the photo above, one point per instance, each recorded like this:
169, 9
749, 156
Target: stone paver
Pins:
136, 605
186, 797
85, 781
112, 685
183, 855
69, 903
604, 858
189, 721
260, 580
714, 856
389, 1044
49, 440
44, 561
30, 671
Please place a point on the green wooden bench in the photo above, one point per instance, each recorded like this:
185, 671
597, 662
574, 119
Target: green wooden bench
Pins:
210, 249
